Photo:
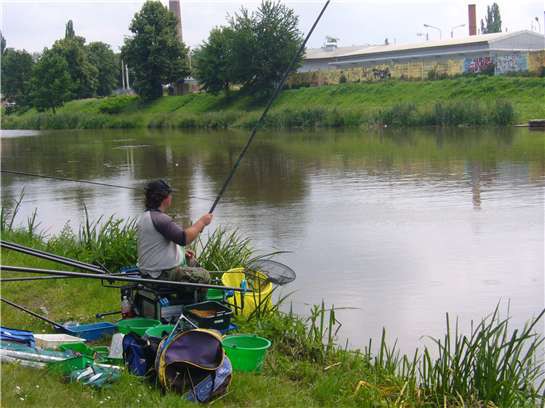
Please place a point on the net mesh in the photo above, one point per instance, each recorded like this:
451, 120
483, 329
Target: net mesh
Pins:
276, 272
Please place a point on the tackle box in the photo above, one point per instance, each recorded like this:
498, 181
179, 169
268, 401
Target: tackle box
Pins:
209, 315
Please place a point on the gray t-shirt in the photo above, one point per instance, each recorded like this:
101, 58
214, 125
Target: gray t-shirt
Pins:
159, 242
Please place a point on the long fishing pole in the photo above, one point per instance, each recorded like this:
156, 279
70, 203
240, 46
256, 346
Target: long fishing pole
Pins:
120, 278
271, 100
96, 183
51, 257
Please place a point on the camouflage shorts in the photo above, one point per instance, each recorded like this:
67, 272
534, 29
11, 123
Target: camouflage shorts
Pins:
193, 274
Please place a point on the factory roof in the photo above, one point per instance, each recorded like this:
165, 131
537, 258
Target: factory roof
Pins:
339, 52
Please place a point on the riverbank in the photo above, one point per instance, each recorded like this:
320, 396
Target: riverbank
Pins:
304, 368
468, 101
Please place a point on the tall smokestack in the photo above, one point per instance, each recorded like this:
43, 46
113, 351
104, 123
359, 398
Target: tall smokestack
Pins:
472, 17
174, 7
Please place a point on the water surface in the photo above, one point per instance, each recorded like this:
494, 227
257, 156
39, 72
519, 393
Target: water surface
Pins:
403, 226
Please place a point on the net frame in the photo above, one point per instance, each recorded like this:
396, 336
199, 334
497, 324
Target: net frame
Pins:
276, 272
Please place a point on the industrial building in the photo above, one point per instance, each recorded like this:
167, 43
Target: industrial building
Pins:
469, 54
497, 53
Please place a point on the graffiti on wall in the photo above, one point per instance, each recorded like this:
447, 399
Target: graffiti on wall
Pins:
511, 63
381, 73
527, 61
478, 64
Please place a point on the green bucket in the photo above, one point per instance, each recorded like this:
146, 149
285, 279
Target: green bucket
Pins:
159, 331
215, 294
137, 325
246, 352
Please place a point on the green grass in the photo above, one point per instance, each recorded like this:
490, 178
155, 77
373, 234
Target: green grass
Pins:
472, 100
493, 365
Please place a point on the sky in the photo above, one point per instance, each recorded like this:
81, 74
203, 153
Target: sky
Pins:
33, 25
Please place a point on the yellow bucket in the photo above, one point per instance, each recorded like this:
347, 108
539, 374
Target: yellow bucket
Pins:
258, 296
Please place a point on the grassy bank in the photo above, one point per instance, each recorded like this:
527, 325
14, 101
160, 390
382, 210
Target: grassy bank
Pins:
491, 366
480, 100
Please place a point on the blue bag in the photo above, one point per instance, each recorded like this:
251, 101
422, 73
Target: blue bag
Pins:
18, 336
139, 355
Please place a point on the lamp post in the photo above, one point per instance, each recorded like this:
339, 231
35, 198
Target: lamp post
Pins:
454, 28
422, 35
538, 25
437, 28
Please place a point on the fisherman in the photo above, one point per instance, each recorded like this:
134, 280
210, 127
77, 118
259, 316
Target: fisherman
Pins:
161, 242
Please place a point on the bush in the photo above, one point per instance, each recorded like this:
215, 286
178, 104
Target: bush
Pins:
115, 104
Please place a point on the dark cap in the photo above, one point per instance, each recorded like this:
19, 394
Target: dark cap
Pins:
158, 186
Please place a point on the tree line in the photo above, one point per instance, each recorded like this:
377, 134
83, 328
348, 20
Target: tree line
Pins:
250, 52
70, 69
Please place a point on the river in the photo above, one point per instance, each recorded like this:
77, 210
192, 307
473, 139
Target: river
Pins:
400, 225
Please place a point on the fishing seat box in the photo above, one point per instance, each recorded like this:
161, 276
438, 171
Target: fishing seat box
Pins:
160, 302
209, 315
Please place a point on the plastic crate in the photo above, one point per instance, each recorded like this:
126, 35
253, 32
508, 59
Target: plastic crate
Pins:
65, 367
209, 315
91, 331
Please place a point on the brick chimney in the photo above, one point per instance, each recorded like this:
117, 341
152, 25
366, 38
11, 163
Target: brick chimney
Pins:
174, 7
472, 17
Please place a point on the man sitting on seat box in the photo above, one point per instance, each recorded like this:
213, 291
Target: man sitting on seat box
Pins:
161, 253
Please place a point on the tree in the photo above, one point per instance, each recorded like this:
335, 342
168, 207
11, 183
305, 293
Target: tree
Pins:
16, 76
154, 53
69, 31
51, 81
105, 61
84, 75
213, 61
264, 44
2, 44
493, 20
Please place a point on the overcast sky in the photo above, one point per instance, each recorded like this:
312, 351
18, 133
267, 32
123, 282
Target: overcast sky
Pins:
33, 25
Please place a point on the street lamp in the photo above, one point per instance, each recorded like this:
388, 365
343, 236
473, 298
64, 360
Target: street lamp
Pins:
455, 27
437, 28
423, 35
538, 24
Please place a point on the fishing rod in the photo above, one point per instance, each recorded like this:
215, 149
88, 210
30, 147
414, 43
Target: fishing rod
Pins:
269, 104
53, 277
52, 257
113, 278
20, 173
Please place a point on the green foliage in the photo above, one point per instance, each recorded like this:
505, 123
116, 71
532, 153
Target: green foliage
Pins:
69, 31
103, 58
153, 53
50, 82
264, 43
491, 364
453, 101
253, 51
209, 120
110, 242
83, 74
493, 20
2, 44
16, 77
213, 61
115, 104
223, 250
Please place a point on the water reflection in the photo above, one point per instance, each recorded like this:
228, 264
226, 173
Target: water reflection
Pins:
404, 225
